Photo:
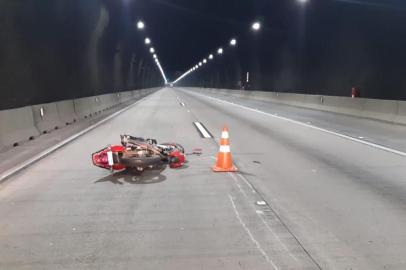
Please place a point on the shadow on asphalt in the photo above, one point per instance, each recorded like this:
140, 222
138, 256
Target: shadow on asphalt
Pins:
131, 177
181, 168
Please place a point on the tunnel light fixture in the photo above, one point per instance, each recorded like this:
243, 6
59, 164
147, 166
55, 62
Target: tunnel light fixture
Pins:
233, 42
140, 25
256, 26
302, 1
162, 71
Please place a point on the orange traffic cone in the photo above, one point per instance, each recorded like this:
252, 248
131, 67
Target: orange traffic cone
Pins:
224, 158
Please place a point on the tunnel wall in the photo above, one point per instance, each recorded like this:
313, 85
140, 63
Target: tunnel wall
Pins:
54, 50
20, 125
323, 48
392, 111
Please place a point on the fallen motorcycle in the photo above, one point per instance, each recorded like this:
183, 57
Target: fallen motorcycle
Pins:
139, 154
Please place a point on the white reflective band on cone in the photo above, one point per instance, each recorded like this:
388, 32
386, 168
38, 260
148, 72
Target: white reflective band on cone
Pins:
224, 135
225, 148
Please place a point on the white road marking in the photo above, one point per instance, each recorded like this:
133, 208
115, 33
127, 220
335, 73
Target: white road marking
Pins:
43, 154
377, 146
202, 130
237, 214
247, 182
260, 213
238, 185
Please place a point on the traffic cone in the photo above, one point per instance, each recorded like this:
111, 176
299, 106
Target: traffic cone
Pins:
224, 158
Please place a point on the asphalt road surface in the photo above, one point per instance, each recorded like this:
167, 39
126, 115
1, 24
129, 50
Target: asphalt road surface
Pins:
304, 198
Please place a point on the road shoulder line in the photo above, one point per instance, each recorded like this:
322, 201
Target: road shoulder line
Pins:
374, 145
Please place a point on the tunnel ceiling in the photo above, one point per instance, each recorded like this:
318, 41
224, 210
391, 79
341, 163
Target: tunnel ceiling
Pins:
186, 31
58, 49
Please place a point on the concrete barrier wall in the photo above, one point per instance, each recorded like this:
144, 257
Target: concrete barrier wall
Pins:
401, 115
48, 119
384, 110
23, 124
16, 125
84, 106
66, 112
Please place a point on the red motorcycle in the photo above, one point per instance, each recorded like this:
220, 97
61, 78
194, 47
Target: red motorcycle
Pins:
139, 154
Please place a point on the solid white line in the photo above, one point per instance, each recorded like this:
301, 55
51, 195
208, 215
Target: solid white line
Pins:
41, 155
251, 236
260, 216
377, 146
247, 182
201, 128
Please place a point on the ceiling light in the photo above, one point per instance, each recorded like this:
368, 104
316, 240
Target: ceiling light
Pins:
256, 26
140, 25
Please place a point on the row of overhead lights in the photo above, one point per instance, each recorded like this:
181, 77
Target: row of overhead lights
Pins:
255, 26
148, 42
